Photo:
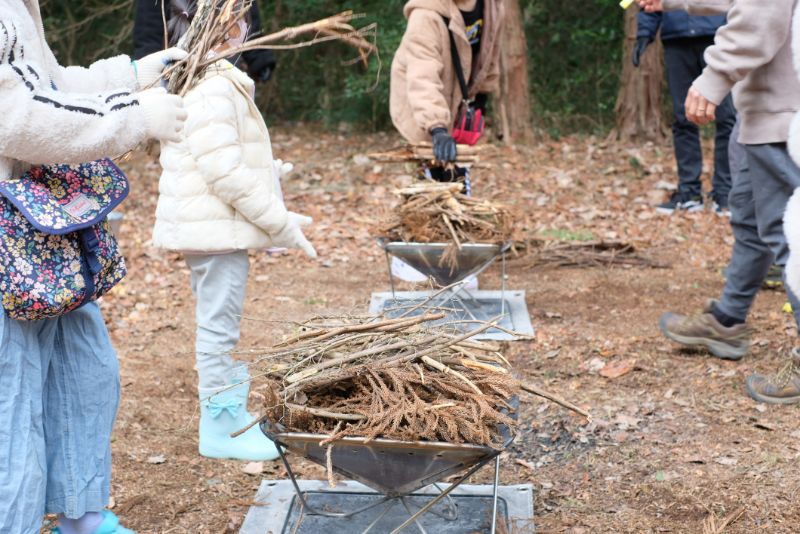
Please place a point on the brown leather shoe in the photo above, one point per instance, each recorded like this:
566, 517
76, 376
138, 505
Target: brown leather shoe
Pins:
703, 330
782, 388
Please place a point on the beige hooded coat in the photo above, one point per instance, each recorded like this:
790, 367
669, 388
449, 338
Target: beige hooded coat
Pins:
424, 91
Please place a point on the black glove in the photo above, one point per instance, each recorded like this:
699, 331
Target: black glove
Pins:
444, 146
638, 49
481, 99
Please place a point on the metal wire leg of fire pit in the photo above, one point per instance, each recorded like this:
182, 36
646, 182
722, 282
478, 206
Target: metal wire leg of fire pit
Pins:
313, 511
454, 292
450, 514
453, 486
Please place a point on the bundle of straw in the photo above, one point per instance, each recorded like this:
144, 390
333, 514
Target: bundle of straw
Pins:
433, 212
400, 378
215, 18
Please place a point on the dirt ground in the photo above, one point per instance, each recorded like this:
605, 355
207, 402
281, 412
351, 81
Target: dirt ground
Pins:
676, 446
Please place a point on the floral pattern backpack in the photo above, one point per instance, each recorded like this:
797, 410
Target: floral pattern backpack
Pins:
57, 251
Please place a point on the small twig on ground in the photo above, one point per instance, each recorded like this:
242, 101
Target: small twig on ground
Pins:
535, 390
711, 526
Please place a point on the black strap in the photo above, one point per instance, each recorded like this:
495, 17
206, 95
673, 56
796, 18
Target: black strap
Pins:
457, 61
90, 264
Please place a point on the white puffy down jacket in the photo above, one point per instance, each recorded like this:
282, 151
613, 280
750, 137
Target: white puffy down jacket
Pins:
218, 191
791, 218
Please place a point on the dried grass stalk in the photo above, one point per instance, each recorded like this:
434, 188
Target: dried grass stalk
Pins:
215, 18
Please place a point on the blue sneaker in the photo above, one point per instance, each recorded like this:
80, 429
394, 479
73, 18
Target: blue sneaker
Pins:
110, 525
223, 411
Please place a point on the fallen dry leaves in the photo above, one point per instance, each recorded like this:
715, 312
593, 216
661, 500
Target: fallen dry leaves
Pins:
617, 368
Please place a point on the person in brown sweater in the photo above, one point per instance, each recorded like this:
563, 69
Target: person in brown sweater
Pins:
425, 92
751, 56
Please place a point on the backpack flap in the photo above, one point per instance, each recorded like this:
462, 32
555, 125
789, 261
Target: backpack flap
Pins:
61, 199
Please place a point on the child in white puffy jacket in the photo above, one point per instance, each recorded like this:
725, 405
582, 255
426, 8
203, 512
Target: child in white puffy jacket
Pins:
219, 197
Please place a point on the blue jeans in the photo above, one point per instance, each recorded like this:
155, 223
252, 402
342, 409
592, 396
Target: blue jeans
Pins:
685, 63
59, 393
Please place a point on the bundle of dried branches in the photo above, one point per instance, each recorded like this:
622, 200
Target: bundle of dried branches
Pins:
586, 254
433, 212
399, 378
215, 18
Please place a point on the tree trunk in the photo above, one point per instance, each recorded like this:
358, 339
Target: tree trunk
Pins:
515, 101
639, 102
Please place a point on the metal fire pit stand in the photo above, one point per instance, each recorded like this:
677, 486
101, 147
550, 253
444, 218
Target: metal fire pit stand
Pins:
471, 260
395, 469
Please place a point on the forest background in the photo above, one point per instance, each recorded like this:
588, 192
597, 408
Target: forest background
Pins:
574, 58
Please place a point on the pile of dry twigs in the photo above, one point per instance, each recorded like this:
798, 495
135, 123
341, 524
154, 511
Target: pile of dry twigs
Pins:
541, 253
215, 18
423, 153
400, 378
433, 212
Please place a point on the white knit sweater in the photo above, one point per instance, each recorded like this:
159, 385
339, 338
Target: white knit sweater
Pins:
218, 191
52, 114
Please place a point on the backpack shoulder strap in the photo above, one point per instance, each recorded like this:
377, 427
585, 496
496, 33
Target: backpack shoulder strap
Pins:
457, 61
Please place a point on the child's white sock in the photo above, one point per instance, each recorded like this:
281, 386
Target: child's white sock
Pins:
85, 525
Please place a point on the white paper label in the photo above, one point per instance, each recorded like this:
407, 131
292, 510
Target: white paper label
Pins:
80, 205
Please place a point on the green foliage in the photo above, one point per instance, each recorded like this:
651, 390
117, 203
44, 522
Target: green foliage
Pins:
575, 53
325, 83
83, 32
560, 234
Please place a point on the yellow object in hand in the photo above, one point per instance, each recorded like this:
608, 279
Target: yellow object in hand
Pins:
787, 308
625, 4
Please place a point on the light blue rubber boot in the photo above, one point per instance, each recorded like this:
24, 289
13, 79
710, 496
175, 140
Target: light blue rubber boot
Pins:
110, 525
223, 411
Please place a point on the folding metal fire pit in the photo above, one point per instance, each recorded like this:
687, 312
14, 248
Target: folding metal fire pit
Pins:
395, 469
471, 259
463, 305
